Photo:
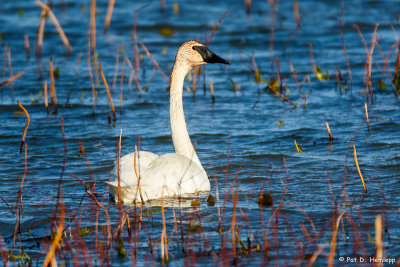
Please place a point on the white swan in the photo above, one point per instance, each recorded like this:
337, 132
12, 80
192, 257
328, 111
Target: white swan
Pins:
173, 174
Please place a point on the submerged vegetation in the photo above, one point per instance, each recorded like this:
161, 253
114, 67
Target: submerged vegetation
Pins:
246, 218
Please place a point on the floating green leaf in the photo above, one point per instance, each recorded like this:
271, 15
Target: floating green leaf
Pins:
164, 51
258, 78
83, 231
233, 85
166, 32
193, 227
320, 75
120, 249
382, 85
57, 72
20, 12
280, 123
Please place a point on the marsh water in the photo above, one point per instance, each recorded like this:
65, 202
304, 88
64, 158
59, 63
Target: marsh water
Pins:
245, 139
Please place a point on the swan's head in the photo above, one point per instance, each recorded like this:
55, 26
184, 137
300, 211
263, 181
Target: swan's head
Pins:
195, 54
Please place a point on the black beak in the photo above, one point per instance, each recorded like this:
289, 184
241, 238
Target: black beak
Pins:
209, 56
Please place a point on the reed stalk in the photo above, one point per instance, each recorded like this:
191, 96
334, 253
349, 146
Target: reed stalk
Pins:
93, 25
108, 92
211, 90
329, 131
358, 168
366, 117
90, 69
50, 257
154, 61
53, 96
27, 46
344, 48
379, 239
46, 100
108, 15
11, 79
39, 42
57, 25
28, 120
335, 228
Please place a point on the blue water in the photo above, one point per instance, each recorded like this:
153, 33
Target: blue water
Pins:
252, 127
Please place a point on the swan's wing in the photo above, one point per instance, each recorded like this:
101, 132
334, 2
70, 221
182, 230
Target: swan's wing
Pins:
173, 175
127, 170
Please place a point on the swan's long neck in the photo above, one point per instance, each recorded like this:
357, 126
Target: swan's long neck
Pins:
180, 135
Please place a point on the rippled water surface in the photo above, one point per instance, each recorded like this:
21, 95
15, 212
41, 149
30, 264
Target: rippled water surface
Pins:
245, 139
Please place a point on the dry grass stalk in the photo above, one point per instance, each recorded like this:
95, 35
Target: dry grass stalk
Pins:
210, 36
78, 60
316, 254
11, 79
93, 25
60, 31
275, 5
368, 65
121, 86
10, 70
39, 42
53, 96
281, 96
366, 117
154, 61
28, 120
27, 46
294, 73
50, 257
296, 12
110, 9
115, 70
211, 90
329, 131
4, 60
312, 60
19, 205
90, 71
358, 168
164, 239
248, 6
46, 101
137, 174
119, 175
134, 37
378, 239
135, 46
233, 227
162, 3
108, 92
335, 228
344, 49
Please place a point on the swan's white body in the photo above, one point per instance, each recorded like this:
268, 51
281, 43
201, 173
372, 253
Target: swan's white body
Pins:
173, 174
